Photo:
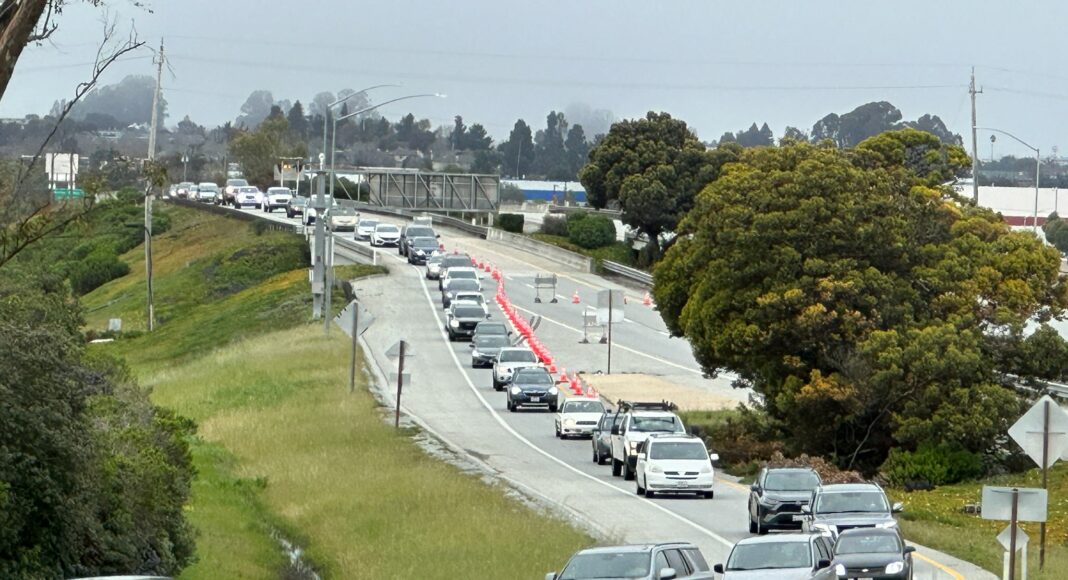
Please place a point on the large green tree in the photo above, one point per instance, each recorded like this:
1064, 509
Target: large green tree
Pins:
258, 151
855, 297
652, 168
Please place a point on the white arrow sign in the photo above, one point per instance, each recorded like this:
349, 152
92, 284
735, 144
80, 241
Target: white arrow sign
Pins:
1030, 429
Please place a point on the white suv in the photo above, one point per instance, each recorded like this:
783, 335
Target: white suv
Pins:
248, 196
458, 272
639, 421
276, 198
674, 463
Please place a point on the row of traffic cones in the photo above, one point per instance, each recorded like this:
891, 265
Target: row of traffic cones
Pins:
647, 300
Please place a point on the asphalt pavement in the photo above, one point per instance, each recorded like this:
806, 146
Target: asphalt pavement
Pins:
460, 406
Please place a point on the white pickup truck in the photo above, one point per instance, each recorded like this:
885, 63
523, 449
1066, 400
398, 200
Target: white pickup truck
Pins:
639, 420
276, 198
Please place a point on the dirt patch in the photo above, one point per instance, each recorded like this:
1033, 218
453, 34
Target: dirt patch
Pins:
641, 387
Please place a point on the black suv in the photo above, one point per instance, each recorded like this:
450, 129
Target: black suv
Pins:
777, 496
412, 232
846, 506
462, 318
533, 386
871, 552
458, 285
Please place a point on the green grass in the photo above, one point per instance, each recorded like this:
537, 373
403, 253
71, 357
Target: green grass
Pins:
364, 498
934, 518
619, 252
282, 446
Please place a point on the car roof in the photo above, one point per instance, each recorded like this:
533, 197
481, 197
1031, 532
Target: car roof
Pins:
582, 399
676, 437
798, 469
871, 532
777, 539
846, 487
643, 413
516, 348
461, 269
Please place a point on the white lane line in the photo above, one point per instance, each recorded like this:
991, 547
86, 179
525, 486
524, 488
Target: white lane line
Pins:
617, 345
504, 424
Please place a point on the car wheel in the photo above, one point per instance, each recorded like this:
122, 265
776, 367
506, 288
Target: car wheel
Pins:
617, 467
553, 408
650, 493
761, 529
752, 525
596, 456
603, 459
628, 473
638, 487
511, 406
557, 431
474, 364
709, 494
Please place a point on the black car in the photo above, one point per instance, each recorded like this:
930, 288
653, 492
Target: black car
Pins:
777, 495
420, 249
487, 327
533, 386
459, 285
410, 233
462, 318
873, 553
484, 349
845, 506
296, 206
602, 436
452, 260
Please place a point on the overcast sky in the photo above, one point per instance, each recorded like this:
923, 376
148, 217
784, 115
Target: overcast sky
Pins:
717, 65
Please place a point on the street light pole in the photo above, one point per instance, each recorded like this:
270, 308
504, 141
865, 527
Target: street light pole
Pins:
1038, 169
185, 167
326, 113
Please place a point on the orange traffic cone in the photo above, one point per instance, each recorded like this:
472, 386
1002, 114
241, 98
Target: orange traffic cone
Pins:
575, 297
648, 300
563, 376
590, 392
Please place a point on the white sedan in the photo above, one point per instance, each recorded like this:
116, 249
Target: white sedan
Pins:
385, 235
578, 416
365, 228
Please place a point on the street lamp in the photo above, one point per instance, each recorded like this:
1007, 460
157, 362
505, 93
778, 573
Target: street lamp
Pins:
333, 138
342, 100
1038, 168
185, 166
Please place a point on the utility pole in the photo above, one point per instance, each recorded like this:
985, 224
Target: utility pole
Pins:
151, 314
975, 146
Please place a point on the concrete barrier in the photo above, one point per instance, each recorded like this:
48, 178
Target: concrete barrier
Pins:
547, 251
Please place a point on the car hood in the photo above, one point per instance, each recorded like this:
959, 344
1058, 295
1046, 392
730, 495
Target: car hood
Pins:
492, 350
790, 496
870, 561
533, 386
641, 435
852, 519
581, 416
771, 574
469, 318
513, 366
388, 234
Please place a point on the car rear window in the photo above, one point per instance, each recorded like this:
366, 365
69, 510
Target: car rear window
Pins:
387, 228
455, 274
417, 231
462, 284
518, 356
534, 376
469, 311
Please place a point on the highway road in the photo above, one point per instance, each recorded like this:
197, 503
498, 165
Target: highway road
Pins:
457, 403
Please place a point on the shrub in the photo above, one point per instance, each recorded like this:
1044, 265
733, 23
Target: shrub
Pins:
511, 222
512, 194
95, 270
829, 472
554, 226
575, 217
930, 466
591, 232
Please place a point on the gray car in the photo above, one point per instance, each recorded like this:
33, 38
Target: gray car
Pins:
458, 285
873, 553
846, 506
533, 387
602, 437
780, 557
484, 349
462, 318
777, 496
678, 560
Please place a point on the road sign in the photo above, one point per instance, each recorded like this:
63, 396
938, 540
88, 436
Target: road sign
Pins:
67, 193
606, 297
1029, 431
344, 318
394, 351
1005, 539
997, 503
114, 324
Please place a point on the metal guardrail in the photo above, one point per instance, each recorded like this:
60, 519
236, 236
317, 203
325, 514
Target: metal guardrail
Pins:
355, 251
565, 209
643, 278
1033, 385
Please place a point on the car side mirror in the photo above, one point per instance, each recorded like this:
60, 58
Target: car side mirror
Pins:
897, 507
806, 509
713, 456
910, 549
488, 315
550, 576
667, 574
820, 565
437, 235
755, 487
615, 429
471, 345
718, 569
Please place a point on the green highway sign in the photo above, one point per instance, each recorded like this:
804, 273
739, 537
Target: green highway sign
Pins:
65, 193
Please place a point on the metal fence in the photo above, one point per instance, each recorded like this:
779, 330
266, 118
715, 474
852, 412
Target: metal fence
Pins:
643, 278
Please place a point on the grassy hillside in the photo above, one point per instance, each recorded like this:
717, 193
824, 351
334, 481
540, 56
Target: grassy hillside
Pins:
283, 448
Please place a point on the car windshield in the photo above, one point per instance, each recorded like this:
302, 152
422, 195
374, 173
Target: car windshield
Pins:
248, 190
457, 274
237, 182
765, 555
851, 501
492, 328
607, 565
676, 450
466, 311
582, 407
639, 423
434, 260
518, 356
279, 191
368, 223
462, 284
533, 377
868, 544
418, 231
491, 341
425, 243
791, 481
387, 229
208, 187
344, 211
